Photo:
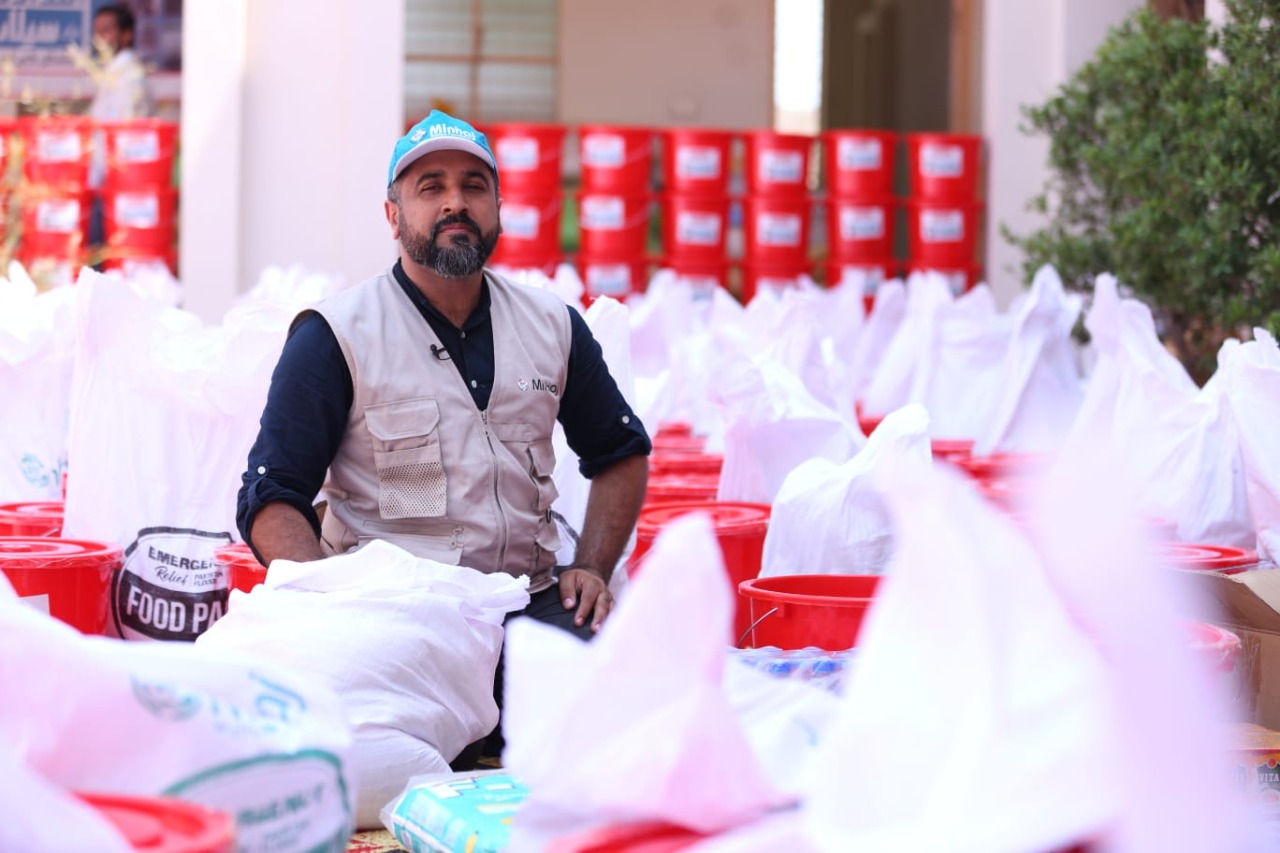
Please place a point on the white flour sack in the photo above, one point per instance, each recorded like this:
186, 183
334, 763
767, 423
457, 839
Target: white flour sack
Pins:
269, 747
163, 412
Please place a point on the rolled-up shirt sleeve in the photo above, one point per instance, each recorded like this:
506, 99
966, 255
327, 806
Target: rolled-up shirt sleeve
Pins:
599, 425
302, 425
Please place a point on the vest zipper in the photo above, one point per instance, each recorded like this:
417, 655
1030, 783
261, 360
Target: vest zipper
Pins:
497, 501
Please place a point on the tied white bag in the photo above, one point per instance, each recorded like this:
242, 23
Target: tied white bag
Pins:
886, 316
636, 724
164, 411
1166, 433
831, 518
411, 646
961, 384
1251, 384
36, 354
913, 342
1040, 387
235, 734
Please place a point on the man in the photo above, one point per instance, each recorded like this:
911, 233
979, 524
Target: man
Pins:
122, 89
428, 394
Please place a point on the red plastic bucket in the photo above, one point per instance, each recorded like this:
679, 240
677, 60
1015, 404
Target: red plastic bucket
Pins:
677, 488
679, 442
1217, 647
960, 278
777, 231
143, 208
166, 825
757, 277
860, 163
614, 226
43, 518
799, 611
56, 149
694, 227
53, 211
951, 450
140, 152
670, 457
860, 230
944, 166
739, 527
529, 158
616, 278
1207, 558
943, 232
244, 572
615, 159
777, 163
671, 428
530, 225
67, 578
696, 162
1002, 466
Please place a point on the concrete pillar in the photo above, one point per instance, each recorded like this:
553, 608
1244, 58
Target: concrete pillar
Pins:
1029, 51
214, 34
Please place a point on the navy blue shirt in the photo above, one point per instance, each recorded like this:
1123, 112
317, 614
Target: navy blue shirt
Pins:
311, 395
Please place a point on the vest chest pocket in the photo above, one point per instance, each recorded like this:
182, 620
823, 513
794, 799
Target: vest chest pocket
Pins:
406, 453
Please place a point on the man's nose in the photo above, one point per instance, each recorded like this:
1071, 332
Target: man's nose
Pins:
454, 200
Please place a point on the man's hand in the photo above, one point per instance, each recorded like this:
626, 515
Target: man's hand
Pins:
586, 590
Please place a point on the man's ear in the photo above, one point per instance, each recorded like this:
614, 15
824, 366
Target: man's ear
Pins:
393, 218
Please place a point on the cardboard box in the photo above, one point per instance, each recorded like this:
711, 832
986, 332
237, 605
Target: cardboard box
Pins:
1249, 606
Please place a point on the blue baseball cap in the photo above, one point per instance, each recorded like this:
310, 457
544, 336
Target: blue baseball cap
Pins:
439, 132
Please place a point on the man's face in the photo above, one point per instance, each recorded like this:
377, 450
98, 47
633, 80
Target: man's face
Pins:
107, 29
447, 217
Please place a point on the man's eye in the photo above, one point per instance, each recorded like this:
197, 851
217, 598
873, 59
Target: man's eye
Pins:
477, 188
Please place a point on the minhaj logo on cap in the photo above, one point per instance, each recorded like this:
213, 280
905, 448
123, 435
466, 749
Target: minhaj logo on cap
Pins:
450, 130
417, 135
538, 385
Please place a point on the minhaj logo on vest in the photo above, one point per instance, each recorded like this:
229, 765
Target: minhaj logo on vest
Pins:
538, 385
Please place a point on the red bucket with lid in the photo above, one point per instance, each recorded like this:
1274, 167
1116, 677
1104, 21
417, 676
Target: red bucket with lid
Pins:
682, 487
57, 149
1207, 558
55, 212
66, 578
944, 166
143, 208
943, 234
35, 518
1217, 647
672, 458
674, 428
683, 442
244, 572
861, 230
800, 611
696, 162
951, 450
613, 225
777, 231
530, 225
615, 159
529, 157
1001, 466
613, 277
739, 527
860, 163
164, 824
777, 164
140, 152
694, 227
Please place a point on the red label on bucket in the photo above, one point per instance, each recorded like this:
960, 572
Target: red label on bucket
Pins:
171, 587
698, 229
941, 161
604, 149
858, 154
518, 153
781, 167
137, 210
58, 215
58, 146
521, 221
942, 226
779, 229
698, 162
604, 213
609, 279
138, 146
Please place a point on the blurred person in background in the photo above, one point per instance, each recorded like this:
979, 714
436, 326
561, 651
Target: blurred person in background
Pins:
122, 82
422, 403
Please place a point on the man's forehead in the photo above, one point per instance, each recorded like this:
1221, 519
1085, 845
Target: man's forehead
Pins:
448, 160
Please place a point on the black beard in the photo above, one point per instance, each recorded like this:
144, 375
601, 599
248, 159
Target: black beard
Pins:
462, 258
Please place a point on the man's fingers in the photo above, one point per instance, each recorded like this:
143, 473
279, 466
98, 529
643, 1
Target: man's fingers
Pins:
604, 606
589, 593
569, 588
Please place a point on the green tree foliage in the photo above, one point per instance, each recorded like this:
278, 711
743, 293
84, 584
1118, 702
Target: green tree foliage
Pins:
1164, 160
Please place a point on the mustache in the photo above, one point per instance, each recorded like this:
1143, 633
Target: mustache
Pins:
459, 218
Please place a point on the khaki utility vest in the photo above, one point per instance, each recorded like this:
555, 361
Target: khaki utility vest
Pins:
420, 465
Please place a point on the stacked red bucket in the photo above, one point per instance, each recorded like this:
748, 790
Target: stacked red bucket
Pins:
696, 165
614, 209
139, 201
776, 211
530, 158
55, 198
944, 213
860, 207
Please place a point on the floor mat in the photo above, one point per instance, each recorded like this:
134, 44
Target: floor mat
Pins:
373, 841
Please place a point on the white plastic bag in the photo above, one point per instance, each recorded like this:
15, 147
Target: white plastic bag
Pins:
634, 725
913, 343
163, 413
1040, 388
887, 314
1251, 385
961, 383
831, 518
411, 646
267, 745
